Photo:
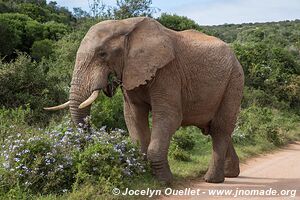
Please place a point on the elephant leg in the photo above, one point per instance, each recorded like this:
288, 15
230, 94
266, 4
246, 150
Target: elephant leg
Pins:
164, 126
221, 129
215, 173
136, 118
232, 166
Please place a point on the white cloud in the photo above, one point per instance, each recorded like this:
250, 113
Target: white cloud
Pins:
83, 4
241, 11
208, 12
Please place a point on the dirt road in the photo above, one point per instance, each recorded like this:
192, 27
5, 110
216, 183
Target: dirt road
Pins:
273, 176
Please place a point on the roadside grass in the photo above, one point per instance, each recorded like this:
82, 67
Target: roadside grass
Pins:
192, 170
201, 154
259, 130
195, 168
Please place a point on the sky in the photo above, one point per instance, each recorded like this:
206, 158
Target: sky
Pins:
214, 12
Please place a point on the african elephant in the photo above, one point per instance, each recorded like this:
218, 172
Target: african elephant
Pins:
183, 78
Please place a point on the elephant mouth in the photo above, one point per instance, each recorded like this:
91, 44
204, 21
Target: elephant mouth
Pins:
89, 100
113, 83
109, 90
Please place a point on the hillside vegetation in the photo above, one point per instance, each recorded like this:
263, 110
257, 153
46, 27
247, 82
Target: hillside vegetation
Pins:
43, 156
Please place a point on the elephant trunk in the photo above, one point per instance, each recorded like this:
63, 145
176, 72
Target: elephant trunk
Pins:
76, 98
87, 81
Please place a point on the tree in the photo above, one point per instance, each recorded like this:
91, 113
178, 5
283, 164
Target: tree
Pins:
23, 82
42, 48
54, 30
34, 11
268, 67
178, 23
123, 9
133, 8
99, 10
10, 37
79, 13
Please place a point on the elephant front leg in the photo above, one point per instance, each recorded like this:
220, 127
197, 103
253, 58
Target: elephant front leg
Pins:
164, 126
136, 118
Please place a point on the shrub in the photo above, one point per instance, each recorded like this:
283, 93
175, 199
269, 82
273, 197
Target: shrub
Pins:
24, 82
42, 49
182, 142
54, 159
260, 98
62, 62
257, 124
34, 11
109, 162
12, 121
178, 23
293, 93
20, 30
54, 30
10, 37
109, 111
179, 154
184, 139
267, 67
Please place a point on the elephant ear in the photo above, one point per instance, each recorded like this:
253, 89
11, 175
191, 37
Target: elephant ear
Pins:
148, 49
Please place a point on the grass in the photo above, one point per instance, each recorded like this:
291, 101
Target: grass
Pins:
195, 168
201, 154
255, 143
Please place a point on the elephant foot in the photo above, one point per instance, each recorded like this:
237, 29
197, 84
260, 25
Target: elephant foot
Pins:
214, 176
232, 163
162, 172
231, 169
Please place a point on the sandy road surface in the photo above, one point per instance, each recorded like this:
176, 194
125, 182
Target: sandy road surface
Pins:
278, 172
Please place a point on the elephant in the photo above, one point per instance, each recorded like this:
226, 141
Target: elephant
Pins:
184, 78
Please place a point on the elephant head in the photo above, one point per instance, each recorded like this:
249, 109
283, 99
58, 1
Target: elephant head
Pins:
132, 50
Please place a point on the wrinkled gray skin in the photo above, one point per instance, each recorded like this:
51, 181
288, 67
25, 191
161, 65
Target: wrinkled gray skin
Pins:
183, 78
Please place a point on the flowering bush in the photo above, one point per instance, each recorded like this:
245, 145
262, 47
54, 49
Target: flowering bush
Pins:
53, 160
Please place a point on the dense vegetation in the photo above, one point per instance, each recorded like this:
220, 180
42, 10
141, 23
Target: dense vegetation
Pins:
43, 155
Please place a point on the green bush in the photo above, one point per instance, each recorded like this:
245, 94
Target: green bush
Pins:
61, 64
57, 159
178, 23
10, 37
184, 139
34, 11
258, 97
182, 142
19, 31
109, 163
20, 28
109, 111
13, 121
54, 30
24, 82
293, 93
267, 67
42, 49
178, 153
257, 124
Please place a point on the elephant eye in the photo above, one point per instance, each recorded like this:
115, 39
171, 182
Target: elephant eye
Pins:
102, 54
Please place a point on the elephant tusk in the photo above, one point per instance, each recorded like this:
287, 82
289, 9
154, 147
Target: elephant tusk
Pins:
90, 100
62, 106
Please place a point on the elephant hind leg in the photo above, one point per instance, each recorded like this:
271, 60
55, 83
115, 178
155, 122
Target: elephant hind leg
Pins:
232, 167
224, 160
220, 142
